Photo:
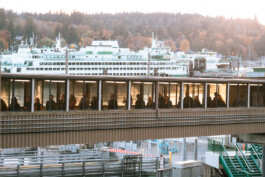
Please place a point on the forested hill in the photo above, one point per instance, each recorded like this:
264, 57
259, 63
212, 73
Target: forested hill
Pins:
133, 30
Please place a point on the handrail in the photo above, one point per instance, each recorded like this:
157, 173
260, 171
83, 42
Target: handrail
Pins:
244, 158
255, 151
224, 150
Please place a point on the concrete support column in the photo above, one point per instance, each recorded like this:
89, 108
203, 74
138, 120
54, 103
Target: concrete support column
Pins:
195, 149
263, 161
129, 95
99, 94
32, 94
184, 150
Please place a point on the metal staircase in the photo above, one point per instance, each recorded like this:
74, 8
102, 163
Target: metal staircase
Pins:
240, 165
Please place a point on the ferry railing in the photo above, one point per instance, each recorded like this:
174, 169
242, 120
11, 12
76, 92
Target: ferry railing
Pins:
245, 160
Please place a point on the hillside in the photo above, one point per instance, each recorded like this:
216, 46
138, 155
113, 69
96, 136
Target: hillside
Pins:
133, 30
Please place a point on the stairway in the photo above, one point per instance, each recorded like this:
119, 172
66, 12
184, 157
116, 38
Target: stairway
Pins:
235, 167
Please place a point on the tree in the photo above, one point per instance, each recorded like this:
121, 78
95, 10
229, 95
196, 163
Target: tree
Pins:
72, 35
184, 45
3, 20
47, 42
3, 44
57, 30
259, 46
12, 32
30, 27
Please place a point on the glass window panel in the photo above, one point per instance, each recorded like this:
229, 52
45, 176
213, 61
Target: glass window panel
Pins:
163, 97
174, 94
216, 95
188, 91
114, 95
121, 94
257, 95
22, 99
254, 89
5, 94
193, 95
237, 95
149, 95
142, 95
38, 95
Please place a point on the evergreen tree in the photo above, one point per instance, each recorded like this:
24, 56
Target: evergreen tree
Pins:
3, 19
30, 27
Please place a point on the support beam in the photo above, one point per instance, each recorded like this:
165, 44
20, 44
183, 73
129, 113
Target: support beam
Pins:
227, 94
205, 95
32, 94
99, 94
157, 95
129, 95
248, 96
67, 94
181, 95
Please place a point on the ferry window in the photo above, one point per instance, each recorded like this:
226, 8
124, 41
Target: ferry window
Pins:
41, 69
114, 95
49, 95
54, 69
238, 95
77, 63
257, 94
37, 69
193, 95
216, 95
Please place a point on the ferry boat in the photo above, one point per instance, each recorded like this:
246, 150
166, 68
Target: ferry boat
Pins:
102, 57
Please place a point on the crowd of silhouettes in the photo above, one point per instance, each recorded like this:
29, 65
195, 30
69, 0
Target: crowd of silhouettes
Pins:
163, 102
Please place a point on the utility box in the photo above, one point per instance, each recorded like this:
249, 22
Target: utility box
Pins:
189, 168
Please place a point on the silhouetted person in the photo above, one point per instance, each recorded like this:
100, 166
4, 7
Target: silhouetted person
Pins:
209, 102
16, 105
168, 104
94, 103
84, 102
187, 101
53, 105
27, 104
112, 104
37, 105
218, 100
62, 103
72, 102
161, 101
196, 102
139, 103
150, 104
3, 106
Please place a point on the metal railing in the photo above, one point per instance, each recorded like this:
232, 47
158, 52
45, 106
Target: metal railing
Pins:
244, 158
64, 122
76, 164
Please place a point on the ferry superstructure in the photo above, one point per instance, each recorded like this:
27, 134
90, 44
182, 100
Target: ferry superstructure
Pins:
103, 57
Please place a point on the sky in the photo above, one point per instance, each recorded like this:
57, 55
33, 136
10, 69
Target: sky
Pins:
227, 8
